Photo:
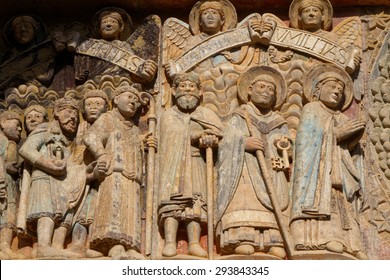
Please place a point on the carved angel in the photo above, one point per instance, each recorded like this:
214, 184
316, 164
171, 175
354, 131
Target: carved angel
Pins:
119, 51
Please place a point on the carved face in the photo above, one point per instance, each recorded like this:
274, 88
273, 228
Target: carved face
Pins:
331, 93
110, 28
93, 108
33, 119
12, 129
262, 94
127, 104
211, 21
187, 95
23, 32
311, 18
69, 119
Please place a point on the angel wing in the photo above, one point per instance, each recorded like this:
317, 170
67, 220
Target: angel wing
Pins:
176, 34
145, 40
349, 33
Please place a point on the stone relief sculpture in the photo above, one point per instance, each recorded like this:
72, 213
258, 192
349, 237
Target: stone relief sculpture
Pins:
116, 52
327, 185
245, 220
215, 47
10, 134
183, 193
272, 130
54, 179
115, 141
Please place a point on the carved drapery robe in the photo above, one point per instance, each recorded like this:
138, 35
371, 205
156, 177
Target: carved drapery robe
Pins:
244, 210
117, 218
183, 166
8, 154
326, 184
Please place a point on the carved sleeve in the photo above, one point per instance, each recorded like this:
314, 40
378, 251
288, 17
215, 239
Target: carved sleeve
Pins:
30, 149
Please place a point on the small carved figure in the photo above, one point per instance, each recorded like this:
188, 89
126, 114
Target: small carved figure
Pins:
315, 16
54, 178
116, 143
95, 103
29, 60
183, 168
246, 222
113, 54
327, 184
10, 132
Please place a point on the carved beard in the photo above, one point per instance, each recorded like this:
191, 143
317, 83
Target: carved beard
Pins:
187, 102
68, 126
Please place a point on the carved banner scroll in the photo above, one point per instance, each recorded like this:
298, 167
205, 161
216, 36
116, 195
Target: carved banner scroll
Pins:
313, 45
117, 55
290, 38
211, 46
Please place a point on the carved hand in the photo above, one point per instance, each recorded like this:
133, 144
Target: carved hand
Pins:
55, 167
252, 144
149, 70
3, 190
348, 129
208, 140
150, 140
103, 165
11, 169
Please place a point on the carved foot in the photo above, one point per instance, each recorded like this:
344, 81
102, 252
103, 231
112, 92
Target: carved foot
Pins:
245, 249
278, 252
194, 249
132, 255
8, 253
49, 252
93, 254
169, 249
116, 252
4, 256
335, 247
361, 256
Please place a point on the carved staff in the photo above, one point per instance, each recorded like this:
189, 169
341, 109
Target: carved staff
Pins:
271, 192
209, 143
24, 189
152, 119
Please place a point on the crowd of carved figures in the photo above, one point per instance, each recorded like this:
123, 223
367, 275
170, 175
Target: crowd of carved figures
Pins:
212, 139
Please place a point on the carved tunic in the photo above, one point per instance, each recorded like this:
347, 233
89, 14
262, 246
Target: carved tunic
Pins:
244, 210
183, 166
118, 211
326, 184
50, 196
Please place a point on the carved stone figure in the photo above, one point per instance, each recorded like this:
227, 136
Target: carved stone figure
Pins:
34, 115
326, 184
95, 103
55, 181
246, 222
116, 143
183, 167
30, 59
115, 53
10, 132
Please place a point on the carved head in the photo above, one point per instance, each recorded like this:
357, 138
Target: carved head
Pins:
212, 17
264, 86
311, 15
24, 28
330, 85
34, 115
111, 25
127, 100
11, 125
187, 91
95, 103
262, 91
66, 112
